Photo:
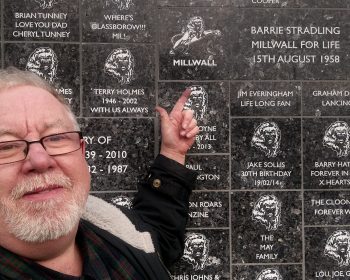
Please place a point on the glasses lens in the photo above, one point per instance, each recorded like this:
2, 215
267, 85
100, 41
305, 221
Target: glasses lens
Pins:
62, 143
12, 151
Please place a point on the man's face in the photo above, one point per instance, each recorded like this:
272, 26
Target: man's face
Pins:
342, 247
197, 247
270, 135
341, 134
122, 62
30, 113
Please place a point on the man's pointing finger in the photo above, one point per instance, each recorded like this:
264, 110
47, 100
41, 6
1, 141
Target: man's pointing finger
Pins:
181, 101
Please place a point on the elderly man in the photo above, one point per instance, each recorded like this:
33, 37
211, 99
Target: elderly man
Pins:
50, 228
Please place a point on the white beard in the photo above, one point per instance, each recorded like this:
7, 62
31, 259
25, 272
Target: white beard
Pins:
42, 221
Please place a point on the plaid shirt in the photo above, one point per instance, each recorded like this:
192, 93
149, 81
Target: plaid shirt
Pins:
102, 261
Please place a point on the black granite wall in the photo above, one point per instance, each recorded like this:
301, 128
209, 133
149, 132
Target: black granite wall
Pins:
271, 91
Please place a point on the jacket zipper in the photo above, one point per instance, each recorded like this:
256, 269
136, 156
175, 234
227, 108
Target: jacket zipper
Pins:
161, 261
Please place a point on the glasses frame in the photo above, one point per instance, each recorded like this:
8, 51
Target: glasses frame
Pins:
41, 141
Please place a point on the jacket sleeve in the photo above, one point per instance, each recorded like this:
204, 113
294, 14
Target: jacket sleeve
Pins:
162, 202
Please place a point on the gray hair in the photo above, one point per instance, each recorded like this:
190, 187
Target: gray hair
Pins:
13, 77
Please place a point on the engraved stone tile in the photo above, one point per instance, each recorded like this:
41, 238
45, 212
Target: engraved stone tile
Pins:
193, 44
326, 153
118, 21
262, 272
209, 209
206, 256
324, 4
118, 151
213, 171
118, 80
265, 153
265, 3
327, 207
56, 63
327, 253
265, 98
266, 227
119, 199
210, 104
198, 3
290, 44
326, 99
41, 20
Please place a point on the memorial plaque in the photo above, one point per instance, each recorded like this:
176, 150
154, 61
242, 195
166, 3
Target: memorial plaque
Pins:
211, 109
118, 21
272, 272
265, 3
56, 63
118, 80
193, 44
213, 171
327, 207
206, 256
209, 209
265, 98
324, 4
326, 99
266, 227
193, 2
326, 153
327, 253
118, 152
265, 153
290, 44
119, 199
41, 20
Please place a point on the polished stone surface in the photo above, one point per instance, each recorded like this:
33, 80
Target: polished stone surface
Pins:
213, 171
211, 109
327, 207
326, 99
118, 21
118, 152
206, 256
275, 272
290, 44
265, 153
193, 44
265, 98
43, 20
326, 153
266, 227
56, 63
115, 83
327, 253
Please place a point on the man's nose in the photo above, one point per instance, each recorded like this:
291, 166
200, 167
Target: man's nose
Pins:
38, 160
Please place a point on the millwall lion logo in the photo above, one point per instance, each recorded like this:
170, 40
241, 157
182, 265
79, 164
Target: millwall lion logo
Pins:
46, 4
269, 274
337, 138
122, 200
43, 62
196, 252
123, 4
267, 138
198, 102
194, 31
267, 211
338, 247
120, 64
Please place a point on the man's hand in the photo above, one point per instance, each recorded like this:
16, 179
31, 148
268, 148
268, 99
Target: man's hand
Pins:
178, 129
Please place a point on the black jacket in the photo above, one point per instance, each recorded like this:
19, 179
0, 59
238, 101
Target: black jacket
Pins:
151, 235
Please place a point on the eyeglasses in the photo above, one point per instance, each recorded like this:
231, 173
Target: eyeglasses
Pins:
54, 144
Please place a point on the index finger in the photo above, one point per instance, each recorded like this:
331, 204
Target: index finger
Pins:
180, 103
